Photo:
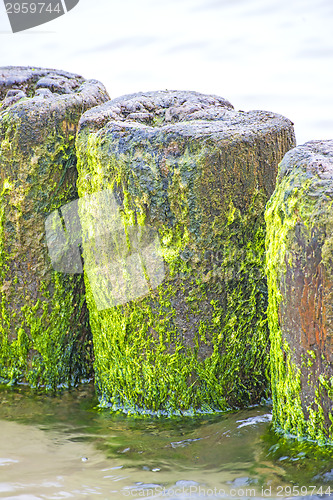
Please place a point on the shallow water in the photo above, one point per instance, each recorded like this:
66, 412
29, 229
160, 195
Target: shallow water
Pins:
64, 447
275, 55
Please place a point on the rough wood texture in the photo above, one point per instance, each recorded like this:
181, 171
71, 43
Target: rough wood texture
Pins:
300, 259
43, 326
198, 173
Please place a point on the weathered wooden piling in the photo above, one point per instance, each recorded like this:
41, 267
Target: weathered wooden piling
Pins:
300, 278
44, 333
175, 275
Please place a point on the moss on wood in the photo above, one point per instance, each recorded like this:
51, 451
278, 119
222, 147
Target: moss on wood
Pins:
44, 332
299, 269
200, 174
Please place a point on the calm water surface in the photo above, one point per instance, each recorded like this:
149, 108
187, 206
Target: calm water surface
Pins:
63, 447
275, 55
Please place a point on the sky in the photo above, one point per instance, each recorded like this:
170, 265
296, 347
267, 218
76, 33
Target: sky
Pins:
275, 55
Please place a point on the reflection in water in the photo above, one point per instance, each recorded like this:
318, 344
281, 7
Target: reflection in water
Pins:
63, 447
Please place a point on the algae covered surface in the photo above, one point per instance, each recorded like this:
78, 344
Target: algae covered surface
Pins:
299, 269
199, 174
44, 331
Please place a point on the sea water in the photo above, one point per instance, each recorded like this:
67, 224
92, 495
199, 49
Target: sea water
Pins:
56, 447
274, 55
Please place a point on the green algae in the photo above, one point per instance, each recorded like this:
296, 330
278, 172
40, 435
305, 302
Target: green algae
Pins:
45, 337
303, 462
141, 361
299, 211
38, 343
199, 341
